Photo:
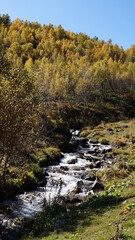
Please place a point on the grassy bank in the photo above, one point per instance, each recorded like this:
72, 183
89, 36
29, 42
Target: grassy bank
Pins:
110, 215
58, 118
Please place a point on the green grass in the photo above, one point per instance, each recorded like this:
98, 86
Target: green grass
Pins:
121, 136
94, 219
99, 217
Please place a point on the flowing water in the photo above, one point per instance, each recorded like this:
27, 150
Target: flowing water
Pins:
71, 177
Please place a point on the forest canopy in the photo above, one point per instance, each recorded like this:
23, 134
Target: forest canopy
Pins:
68, 67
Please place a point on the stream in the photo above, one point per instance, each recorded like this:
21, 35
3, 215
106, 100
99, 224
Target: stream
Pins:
72, 179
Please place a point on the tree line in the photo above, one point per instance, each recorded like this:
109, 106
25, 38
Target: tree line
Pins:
68, 66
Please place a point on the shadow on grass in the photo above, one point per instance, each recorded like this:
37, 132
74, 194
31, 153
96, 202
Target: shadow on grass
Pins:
65, 219
126, 237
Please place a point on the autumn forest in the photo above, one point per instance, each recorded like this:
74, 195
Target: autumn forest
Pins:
53, 80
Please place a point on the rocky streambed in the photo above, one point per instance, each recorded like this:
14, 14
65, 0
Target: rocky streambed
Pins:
72, 180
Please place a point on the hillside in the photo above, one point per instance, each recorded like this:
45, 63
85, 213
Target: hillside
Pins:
53, 80
70, 67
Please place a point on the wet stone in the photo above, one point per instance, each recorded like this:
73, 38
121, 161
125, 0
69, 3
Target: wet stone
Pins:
79, 184
97, 185
72, 161
93, 141
65, 168
88, 176
98, 164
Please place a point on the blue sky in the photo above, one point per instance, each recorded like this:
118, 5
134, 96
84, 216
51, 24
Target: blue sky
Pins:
105, 19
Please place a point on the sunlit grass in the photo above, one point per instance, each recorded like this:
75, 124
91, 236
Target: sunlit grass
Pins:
97, 219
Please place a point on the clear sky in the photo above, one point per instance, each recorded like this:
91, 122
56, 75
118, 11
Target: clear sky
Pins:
104, 19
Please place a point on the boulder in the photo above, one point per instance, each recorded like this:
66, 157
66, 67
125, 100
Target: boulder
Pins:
79, 184
91, 165
90, 151
91, 157
65, 168
106, 150
84, 142
98, 164
80, 155
72, 146
72, 199
97, 185
46, 174
93, 141
88, 176
43, 183
72, 161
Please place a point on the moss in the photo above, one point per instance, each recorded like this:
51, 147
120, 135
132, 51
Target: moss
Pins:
38, 156
85, 132
45, 156
52, 153
38, 172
